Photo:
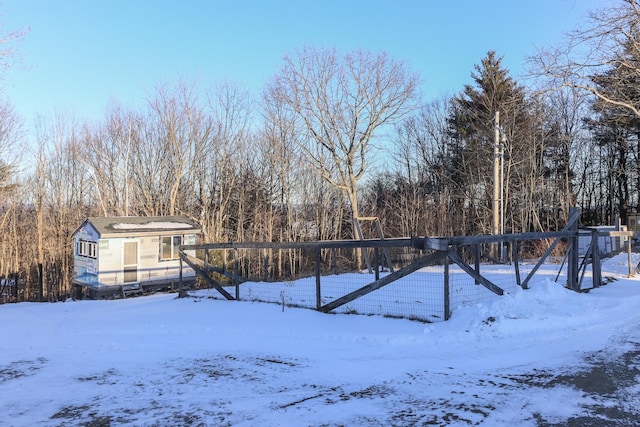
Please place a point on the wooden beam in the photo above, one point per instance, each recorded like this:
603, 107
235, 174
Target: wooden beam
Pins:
324, 244
471, 272
384, 250
573, 218
193, 263
224, 272
359, 235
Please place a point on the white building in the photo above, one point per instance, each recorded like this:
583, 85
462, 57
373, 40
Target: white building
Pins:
122, 255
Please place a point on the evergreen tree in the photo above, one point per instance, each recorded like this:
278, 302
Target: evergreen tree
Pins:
472, 127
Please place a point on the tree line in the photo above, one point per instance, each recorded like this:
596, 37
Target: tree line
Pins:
334, 136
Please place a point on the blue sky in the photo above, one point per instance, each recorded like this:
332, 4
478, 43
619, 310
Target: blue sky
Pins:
81, 55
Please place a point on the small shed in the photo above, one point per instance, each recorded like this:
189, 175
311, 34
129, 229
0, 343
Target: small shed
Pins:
118, 256
633, 221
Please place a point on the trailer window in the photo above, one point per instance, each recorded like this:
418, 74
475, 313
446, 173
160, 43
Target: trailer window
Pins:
87, 249
169, 246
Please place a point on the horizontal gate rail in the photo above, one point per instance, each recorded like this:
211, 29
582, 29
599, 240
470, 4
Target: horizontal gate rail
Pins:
415, 242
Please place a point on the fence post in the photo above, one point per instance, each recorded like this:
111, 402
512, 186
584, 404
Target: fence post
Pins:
572, 255
629, 255
40, 283
476, 257
15, 287
265, 267
180, 278
446, 301
318, 298
596, 270
376, 262
516, 263
236, 275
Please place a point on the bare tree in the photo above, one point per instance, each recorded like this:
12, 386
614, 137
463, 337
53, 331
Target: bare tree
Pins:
8, 50
602, 58
339, 101
162, 149
58, 186
224, 141
423, 172
10, 147
107, 152
10, 125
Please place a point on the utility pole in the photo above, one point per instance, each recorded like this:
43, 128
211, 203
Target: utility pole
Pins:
496, 182
503, 255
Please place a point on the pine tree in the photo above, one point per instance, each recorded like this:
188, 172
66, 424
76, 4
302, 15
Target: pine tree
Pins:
472, 130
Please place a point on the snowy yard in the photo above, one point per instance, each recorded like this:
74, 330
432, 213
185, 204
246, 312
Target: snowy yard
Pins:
541, 357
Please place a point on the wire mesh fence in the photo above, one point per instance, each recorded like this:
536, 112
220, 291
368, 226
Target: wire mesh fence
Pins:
418, 296
316, 277
419, 279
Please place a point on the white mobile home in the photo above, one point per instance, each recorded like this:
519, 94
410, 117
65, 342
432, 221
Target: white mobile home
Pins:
121, 255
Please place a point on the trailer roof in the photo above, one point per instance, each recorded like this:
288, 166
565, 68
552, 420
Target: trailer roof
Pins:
124, 226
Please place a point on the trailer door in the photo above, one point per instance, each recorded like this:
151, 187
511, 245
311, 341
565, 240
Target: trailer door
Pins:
130, 264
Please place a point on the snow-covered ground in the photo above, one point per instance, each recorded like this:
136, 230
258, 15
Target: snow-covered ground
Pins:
545, 356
